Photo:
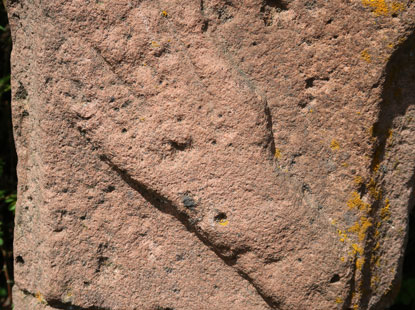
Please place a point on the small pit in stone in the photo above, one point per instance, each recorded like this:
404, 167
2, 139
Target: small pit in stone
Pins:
277, 4
19, 260
109, 189
180, 146
220, 217
270, 8
335, 278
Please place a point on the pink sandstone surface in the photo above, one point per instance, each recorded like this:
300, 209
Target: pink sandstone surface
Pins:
212, 154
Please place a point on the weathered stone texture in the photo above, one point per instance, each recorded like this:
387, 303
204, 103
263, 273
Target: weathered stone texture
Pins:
212, 154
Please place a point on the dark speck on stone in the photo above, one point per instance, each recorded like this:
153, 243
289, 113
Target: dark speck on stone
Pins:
188, 202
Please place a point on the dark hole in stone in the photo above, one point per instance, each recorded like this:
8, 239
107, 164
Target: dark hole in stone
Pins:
19, 260
112, 99
329, 21
213, 142
335, 278
302, 104
278, 4
124, 130
306, 188
126, 104
168, 269
205, 26
309, 82
21, 92
180, 146
109, 189
83, 217
254, 43
221, 216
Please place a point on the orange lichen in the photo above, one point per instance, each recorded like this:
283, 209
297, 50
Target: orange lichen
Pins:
357, 249
356, 203
365, 223
40, 298
385, 212
366, 56
359, 263
384, 7
360, 228
164, 13
277, 154
358, 180
374, 190
334, 145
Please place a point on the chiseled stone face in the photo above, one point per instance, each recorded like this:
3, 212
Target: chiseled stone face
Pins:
212, 154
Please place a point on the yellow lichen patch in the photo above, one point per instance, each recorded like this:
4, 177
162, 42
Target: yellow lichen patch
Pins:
360, 228
164, 13
390, 134
356, 203
277, 154
384, 7
342, 234
355, 228
371, 131
334, 145
223, 222
342, 258
385, 212
345, 165
339, 300
374, 190
154, 44
358, 180
40, 298
357, 249
373, 281
359, 263
365, 223
355, 307
366, 56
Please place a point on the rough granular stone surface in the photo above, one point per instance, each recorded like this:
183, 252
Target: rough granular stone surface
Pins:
212, 154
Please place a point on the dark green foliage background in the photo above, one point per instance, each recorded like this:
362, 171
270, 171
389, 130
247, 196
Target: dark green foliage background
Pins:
8, 185
8, 180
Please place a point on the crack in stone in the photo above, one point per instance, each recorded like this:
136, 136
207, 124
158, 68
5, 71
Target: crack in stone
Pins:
165, 205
